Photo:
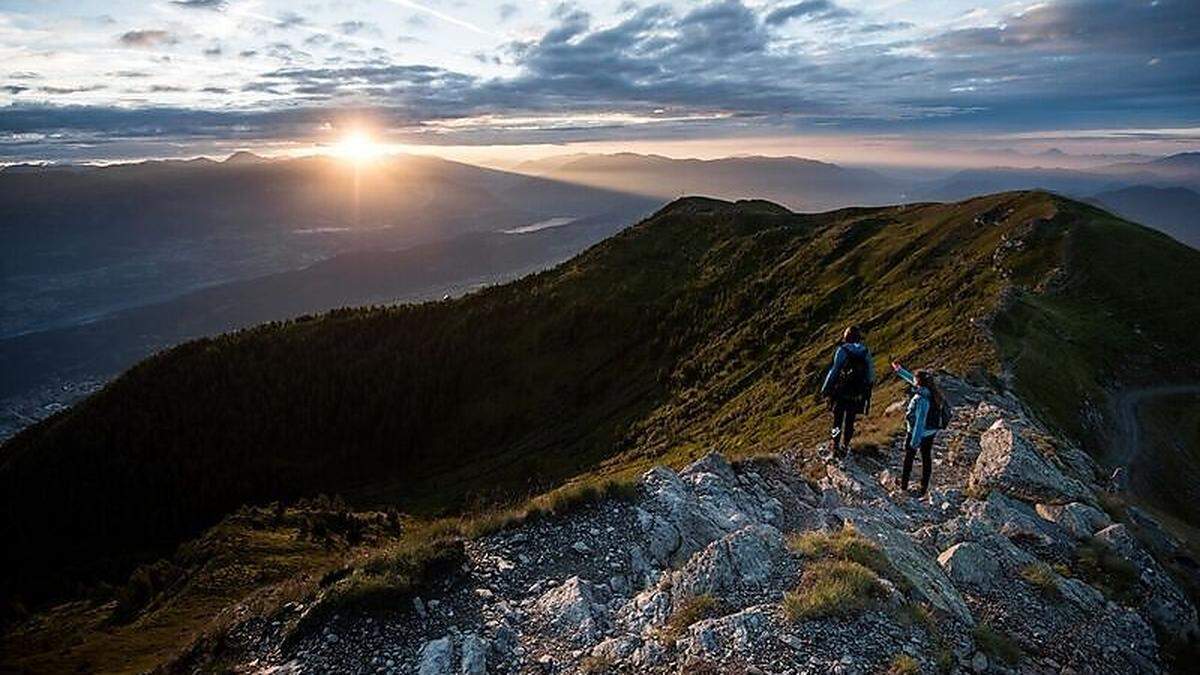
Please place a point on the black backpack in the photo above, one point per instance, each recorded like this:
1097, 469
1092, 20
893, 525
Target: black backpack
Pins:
938, 416
852, 383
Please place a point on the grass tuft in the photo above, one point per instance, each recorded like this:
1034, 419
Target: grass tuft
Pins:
689, 611
845, 544
596, 665
903, 664
996, 644
1042, 577
833, 588
559, 502
385, 580
1101, 567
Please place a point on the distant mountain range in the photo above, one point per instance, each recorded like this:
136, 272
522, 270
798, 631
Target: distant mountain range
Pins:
84, 242
1173, 210
808, 185
801, 184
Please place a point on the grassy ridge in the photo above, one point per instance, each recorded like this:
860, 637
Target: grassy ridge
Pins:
1119, 314
704, 327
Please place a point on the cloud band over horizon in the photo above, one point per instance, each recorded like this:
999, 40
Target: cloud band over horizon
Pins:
131, 77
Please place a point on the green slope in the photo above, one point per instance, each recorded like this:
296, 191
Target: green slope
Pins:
705, 326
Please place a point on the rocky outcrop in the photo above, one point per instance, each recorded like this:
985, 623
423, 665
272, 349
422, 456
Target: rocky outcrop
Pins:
1080, 520
970, 564
571, 608
695, 573
1167, 606
1008, 462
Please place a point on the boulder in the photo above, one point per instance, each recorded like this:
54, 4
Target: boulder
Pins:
1018, 521
684, 512
737, 632
571, 609
1009, 463
744, 558
921, 571
1079, 519
474, 655
435, 657
969, 564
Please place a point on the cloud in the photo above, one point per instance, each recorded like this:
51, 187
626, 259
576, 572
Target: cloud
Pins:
507, 10
717, 67
356, 27
814, 10
72, 90
290, 20
147, 38
200, 4
1075, 26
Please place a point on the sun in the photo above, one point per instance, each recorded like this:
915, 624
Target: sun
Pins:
358, 147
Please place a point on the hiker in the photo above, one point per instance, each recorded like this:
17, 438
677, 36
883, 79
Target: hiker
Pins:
926, 415
847, 387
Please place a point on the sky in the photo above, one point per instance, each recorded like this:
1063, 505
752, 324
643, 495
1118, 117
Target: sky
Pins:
858, 81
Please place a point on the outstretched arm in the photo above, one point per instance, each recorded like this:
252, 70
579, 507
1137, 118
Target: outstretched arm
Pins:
904, 374
839, 358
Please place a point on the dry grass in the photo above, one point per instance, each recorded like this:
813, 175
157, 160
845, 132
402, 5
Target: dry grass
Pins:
385, 579
996, 644
1041, 577
833, 588
689, 611
555, 503
903, 664
1115, 576
596, 665
845, 544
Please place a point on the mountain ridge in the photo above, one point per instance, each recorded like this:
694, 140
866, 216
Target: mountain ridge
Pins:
700, 326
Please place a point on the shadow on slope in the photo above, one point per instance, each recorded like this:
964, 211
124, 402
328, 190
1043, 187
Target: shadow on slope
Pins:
705, 327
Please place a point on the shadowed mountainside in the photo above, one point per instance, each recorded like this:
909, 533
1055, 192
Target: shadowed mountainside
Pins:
1173, 210
706, 325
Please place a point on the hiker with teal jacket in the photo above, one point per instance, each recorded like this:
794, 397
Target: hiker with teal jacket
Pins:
847, 387
927, 414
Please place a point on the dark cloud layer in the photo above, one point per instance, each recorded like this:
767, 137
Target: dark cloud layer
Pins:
1079, 26
147, 38
1103, 62
200, 4
822, 10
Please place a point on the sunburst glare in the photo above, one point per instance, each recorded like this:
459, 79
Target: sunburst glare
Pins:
357, 146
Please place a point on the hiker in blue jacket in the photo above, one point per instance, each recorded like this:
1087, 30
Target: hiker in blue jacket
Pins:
847, 387
926, 415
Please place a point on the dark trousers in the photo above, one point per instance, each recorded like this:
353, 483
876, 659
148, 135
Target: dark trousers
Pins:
844, 415
926, 464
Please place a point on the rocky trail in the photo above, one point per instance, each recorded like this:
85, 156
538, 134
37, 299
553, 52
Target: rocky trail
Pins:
1010, 565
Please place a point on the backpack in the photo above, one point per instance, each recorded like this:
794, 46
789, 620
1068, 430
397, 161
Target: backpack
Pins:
938, 416
851, 383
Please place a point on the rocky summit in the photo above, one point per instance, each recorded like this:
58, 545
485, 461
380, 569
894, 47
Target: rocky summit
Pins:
1017, 561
